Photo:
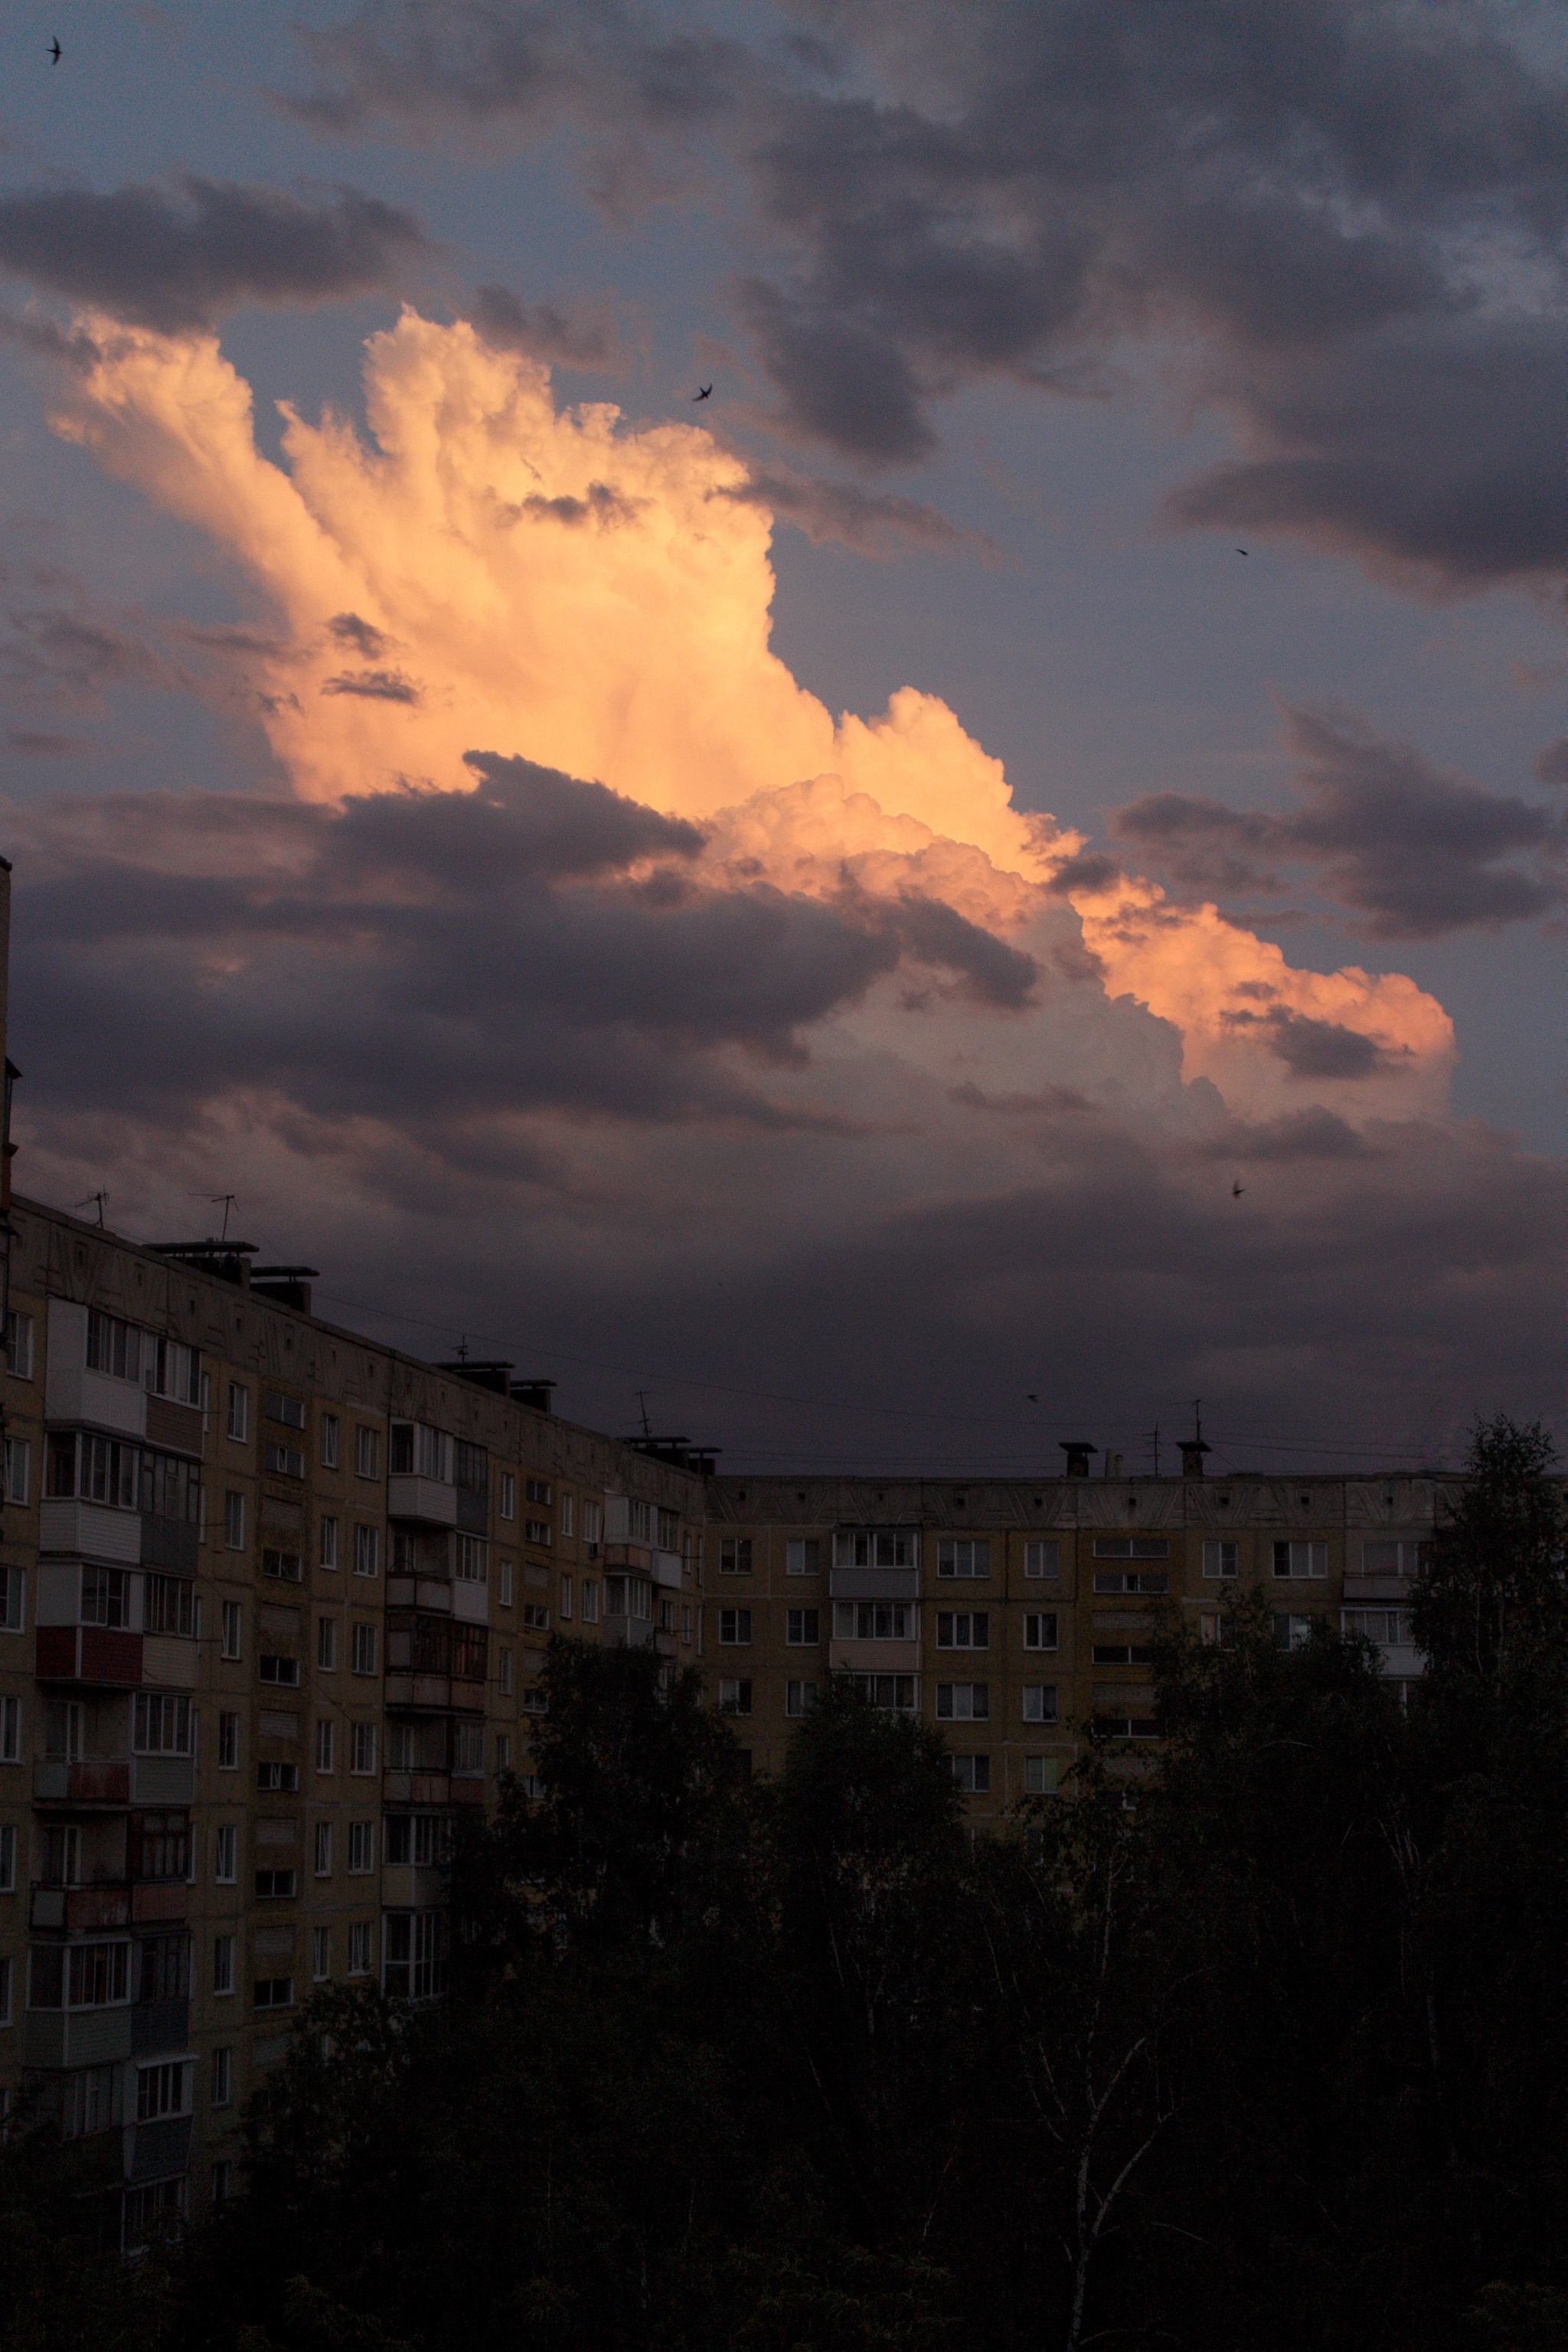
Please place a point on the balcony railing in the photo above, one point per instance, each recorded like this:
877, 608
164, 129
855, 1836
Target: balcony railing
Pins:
106, 1903
115, 1781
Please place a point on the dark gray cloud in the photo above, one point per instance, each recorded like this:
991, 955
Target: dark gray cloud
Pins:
1315, 1049
373, 685
439, 959
873, 522
585, 339
1332, 199
1409, 851
172, 262
1552, 765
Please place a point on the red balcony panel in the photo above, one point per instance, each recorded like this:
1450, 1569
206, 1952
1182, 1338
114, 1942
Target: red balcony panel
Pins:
56, 1654
161, 1898
107, 1657
470, 1697
466, 1790
101, 1781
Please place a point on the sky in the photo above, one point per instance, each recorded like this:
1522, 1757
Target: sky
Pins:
993, 876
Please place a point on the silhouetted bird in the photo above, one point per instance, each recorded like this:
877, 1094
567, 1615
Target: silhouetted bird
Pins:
54, 53
1032, 1397
706, 392
1238, 1189
1241, 551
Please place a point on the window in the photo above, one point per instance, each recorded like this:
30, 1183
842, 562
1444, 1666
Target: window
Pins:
227, 1742
1042, 1775
234, 1520
162, 1724
592, 1520
1393, 1556
503, 1672
535, 1617
359, 1948
221, 2091
367, 1551
508, 1502
282, 1461
803, 1555
537, 1531
273, 1992
149, 2212
803, 1626
288, 1409
105, 1596
1133, 1547
225, 1853
564, 1609
361, 1747
735, 1556
1039, 1629
734, 1697
1219, 1555
275, 1885
896, 1691
326, 1744
1215, 1629
87, 2104
1300, 1559
1114, 1716
734, 1625
163, 2090
568, 1514
1377, 1624
1039, 1702
504, 1581
1042, 1559
417, 1839
223, 1964
329, 1435
963, 1556
284, 1672
874, 1548
320, 1955
973, 1774
415, 1954
8, 1860
874, 1621
81, 1976
1292, 1633
19, 1345
368, 1453
963, 1629
19, 1469
473, 1560
275, 1780
170, 1604
10, 1730
238, 1413
365, 1650
962, 1702
640, 1522
327, 1543
361, 1848
537, 1490
468, 1748
590, 1601
799, 1696
13, 1600
233, 1629
1112, 1581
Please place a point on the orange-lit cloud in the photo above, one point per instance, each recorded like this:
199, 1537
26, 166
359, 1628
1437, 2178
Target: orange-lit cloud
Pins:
486, 571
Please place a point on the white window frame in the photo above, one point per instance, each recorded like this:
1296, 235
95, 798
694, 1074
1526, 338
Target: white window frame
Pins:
1221, 1556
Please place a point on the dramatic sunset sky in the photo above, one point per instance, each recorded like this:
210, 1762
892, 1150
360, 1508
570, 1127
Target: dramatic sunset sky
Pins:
808, 903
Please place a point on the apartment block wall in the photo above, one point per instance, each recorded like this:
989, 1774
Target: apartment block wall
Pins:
233, 1726
1055, 1628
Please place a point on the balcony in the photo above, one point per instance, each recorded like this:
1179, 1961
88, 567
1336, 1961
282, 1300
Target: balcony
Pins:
888, 1657
467, 1788
666, 1570
429, 1502
160, 2027
634, 1555
433, 1592
156, 2151
89, 1653
76, 2037
115, 1781
108, 1903
420, 1788
90, 1531
170, 1544
73, 1394
474, 1510
628, 1633
1376, 1588
412, 1886
874, 1583
175, 1428
168, 1660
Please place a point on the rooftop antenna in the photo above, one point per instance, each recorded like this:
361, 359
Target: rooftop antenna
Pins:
225, 1202
463, 1349
1154, 1442
641, 1396
100, 1198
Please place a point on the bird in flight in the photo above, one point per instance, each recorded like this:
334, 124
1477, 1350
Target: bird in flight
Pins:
1032, 1397
1238, 1189
54, 53
706, 392
1241, 551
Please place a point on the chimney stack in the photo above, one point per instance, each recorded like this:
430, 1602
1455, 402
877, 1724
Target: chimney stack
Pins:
1077, 1451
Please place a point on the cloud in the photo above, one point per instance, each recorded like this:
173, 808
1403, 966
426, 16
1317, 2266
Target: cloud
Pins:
595, 597
544, 331
172, 262
873, 522
1552, 765
32, 743
1348, 213
1410, 851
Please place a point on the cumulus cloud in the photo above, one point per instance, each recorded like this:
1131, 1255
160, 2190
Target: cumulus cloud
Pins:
1350, 212
1411, 852
171, 261
583, 339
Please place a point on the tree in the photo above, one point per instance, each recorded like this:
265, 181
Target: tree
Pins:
1492, 1596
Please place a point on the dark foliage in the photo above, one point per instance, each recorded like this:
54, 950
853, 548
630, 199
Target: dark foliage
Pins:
1260, 2049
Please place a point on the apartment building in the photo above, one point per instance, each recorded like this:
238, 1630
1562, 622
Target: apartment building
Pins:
273, 1603
1012, 1612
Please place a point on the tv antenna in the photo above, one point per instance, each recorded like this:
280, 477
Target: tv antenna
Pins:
1153, 1440
641, 1396
102, 1200
225, 1202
